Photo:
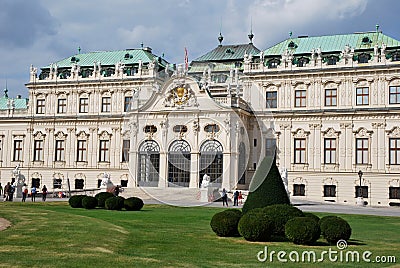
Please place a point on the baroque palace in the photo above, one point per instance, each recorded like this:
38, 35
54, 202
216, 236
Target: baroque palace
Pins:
326, 106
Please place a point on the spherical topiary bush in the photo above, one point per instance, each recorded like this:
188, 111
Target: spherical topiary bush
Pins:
114, 203
302, 230
312, 216
102, 197
280, 214
76, 201
334, 228
89, 202
225, 223
255, 226
133, 203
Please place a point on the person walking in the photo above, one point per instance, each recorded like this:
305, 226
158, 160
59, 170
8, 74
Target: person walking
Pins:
24, 192
224, 197
235, 198
240, 197
44, 193
33, 193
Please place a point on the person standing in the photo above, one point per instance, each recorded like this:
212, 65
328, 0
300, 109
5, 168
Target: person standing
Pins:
33, 193
7, 189
1, 189
224, 197
240, 198
11, 194
24, 192
235, 198
44, 193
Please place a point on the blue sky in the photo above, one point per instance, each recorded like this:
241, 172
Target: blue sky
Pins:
40, 32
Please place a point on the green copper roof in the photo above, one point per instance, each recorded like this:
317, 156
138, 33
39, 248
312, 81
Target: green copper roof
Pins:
229, 52
332, 43
18, 103
106, 58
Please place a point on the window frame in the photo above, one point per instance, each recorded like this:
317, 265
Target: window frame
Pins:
38, 150
396, 94
81, 151
271, 101
127, 103
362, 95
331, 151
300, 98
84, 105
331, 97
329, 190
62, 106
40, 106
299, 189
395, 150
363, 150
300, 151
106, 104
104, 151
18, 150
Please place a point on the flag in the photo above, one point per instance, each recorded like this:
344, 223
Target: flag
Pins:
186, 60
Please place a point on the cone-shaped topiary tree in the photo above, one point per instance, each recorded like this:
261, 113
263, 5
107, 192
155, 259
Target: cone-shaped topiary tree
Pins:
266, 187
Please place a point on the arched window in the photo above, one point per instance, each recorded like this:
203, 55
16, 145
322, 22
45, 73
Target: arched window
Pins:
179, 164
211, 161
272, 64
242, 164
364, 58
149, 164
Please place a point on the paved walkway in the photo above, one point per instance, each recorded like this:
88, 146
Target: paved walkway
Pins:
308, 206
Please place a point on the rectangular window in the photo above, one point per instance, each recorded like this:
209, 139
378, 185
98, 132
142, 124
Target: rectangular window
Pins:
81, 151
394, 192
127, 104
394, 95
104, 149
394, 151
299, 151
270, 147
255, 142
329, 190
272, 98
330, 97
38, 150
362, 151
124, 183
60, 151
364, 191
300, 98
62, 106
83, 105
125, 150
40, 106
17, 150
329, 151
106, 104
362, 96
79, 183
299, 190
57, 183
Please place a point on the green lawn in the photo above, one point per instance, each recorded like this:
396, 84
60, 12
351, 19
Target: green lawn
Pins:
55, 235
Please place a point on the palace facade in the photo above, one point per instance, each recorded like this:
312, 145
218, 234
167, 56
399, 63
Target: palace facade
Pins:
326, 106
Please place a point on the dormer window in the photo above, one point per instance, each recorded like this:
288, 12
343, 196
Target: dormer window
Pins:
301, 62
366, 40
332, 60
272, 64
364, 58
229, 51
292, 45
396, 56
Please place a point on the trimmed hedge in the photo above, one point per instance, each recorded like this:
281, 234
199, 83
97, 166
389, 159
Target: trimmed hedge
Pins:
89, 202
75, 201
133, 203
102, 197
255, 226
302, 230
266, 187
334, 228
280, 214
312, 216
225, 223
114, 203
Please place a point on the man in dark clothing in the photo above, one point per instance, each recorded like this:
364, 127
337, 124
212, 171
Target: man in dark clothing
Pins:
236, 198
7, 190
